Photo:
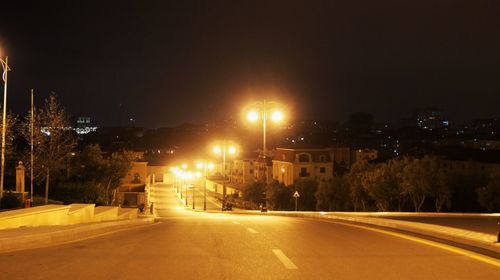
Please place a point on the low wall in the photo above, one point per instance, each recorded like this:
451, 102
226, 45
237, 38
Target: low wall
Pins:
36, 216
216, 186
54, 215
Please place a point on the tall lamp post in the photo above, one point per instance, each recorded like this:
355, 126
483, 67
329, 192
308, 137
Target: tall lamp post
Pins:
222, 150
263, 110
183, 175
173, 170
205, 166
6, 69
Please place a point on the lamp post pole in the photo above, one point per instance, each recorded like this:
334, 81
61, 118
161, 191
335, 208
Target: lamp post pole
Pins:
6, 69
205, 190
181, 188
194, 187
222, 151
186, 196
264, 161
31, 144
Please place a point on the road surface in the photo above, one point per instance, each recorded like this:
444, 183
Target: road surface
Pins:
196, 245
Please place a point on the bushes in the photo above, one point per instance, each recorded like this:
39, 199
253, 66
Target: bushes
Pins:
10, 201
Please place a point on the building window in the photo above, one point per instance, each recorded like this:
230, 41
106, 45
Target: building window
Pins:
322, 158
283, 157
322, 170
137, 178
304, 158
303, 172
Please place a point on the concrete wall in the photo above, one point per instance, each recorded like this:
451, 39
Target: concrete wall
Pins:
52, 215
216, 186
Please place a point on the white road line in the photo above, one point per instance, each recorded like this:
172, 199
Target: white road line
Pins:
252, 230
284, 259
235, 222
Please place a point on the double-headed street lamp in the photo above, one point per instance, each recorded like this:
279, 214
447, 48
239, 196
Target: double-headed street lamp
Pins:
204, 166
6, 69
264, 110
224, 149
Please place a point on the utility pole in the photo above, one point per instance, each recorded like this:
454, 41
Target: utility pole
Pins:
6, 69
31, 144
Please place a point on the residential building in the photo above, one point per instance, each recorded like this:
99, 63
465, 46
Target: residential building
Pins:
243, 171
291, 164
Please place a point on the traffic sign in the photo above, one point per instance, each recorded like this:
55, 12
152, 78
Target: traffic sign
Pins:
296, 194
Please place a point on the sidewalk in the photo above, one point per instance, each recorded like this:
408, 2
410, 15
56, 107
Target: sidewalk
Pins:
36, 237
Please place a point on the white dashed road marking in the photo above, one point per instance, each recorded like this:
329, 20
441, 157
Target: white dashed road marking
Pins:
284, 259
252, 230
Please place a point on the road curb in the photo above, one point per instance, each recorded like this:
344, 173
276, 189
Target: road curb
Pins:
38, 240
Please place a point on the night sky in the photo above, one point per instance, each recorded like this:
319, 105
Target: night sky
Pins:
168, 62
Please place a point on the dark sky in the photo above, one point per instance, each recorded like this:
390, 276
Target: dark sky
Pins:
168, 62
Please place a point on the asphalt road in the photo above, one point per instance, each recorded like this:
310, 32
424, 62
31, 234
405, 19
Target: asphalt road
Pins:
196, 245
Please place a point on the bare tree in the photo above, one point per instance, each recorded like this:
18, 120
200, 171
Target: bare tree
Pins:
53, 137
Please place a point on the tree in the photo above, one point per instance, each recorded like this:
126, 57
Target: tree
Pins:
419, 178
381, 185
442, 191
53, 140
323, 195
115, 169
333, 195
306, 188
254, 191
280, 196
489, 195
359, 196
10, 123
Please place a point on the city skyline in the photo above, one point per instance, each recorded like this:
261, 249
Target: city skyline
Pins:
163, 64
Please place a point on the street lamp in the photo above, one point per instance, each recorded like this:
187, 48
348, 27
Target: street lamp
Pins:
222, 150
205, 166
187, 176
183, 174
6, 69
264, 110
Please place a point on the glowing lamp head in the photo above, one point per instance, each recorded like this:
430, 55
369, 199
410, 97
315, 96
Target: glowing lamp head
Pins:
253, 116
198, 174
184, 166
277, 116
232, 150
282, 170
217, 150
199, 165
210, 165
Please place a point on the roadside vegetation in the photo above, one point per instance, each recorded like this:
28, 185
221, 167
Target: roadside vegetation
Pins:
401, 184
63, 172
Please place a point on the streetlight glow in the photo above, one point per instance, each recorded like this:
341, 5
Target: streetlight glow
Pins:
253, 116
232, 150
277, 116
217, 150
